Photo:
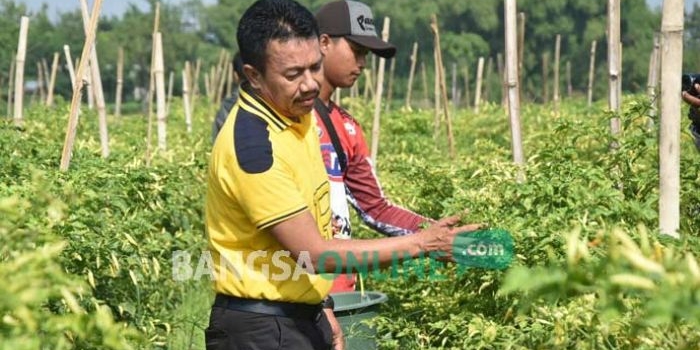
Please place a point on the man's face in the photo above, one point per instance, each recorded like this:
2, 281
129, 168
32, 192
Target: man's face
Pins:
293, 72
343, 61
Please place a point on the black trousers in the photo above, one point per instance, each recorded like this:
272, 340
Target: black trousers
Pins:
239, 330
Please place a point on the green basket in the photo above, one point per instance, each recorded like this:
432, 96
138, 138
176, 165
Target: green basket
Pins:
351, 309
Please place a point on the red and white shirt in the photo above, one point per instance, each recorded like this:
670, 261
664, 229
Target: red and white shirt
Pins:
358, 185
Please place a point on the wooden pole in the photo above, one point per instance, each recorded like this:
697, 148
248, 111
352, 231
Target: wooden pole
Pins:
194, 91
424, 77
47, 76
19, 66
467, 95
120, 82
97, 86
171, 81
436, 94
40, 82
669, 137
477, 91
591, 73
160, 92
569, 87
443, 88
409, 87
151, 85
653, 80
390, 89
69, 64
186, 96
614, 64
557, 48
10, 87
454, 93
545, 77
378, 95
89, 87
77, 91
521, 46
503, 79
512, 78
52, 81
486, 88
231, 79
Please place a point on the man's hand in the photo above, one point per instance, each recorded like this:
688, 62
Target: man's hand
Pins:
440, 236
690, 99
338, 340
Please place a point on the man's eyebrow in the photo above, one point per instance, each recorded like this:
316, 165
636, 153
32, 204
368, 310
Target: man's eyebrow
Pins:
301, 68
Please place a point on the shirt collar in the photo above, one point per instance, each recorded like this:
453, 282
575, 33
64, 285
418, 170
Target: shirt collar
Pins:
252, 102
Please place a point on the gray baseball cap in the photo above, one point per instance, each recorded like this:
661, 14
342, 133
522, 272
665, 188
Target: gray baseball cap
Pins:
354, 21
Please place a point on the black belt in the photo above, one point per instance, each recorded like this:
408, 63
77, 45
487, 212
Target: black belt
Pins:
268, 307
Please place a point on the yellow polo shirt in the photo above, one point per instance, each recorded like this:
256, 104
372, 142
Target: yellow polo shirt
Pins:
264, 169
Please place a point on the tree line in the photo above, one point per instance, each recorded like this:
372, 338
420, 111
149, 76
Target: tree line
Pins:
469, 30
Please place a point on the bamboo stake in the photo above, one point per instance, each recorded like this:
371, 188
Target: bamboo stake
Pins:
503, 80
231, 79
653, 80
40, 82
47, 76
10, 87
569, 87
207, 85
160, 92
77, 91
222, 83
89, 88
19, 65
186, 96
512, 78
521, 46
390, 90
479, 77
443, 87
69, 63
557, 48
52, 81
467, 95
378, 95
171, 81
545, 77
409, 87
591, 73
424, 77
669, 139
487, 80
454, 92
614, 64
194, 91
120, 82
97, 86
436, 94
151, 84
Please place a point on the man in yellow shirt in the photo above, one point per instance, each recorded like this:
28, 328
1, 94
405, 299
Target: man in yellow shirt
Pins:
267, 206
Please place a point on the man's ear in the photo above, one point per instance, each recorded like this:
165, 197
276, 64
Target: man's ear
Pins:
324, 41
253, 75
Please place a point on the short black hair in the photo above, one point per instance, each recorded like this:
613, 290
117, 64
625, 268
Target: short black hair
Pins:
267, 20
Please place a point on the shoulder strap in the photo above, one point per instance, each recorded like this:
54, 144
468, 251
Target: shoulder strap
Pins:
322, 111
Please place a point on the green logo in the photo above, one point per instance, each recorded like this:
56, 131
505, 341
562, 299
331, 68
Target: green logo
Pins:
490, 248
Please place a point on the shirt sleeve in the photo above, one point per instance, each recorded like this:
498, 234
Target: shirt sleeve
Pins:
366, 196
271, 196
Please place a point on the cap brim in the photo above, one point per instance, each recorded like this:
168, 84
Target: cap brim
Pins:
374, 44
